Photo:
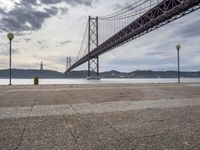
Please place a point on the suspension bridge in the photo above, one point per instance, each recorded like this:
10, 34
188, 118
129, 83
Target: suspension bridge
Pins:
106, 33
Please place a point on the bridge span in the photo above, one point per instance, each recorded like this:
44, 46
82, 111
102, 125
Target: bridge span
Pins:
144, 19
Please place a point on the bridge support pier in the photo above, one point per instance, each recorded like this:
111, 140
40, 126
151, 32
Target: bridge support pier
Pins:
93, 42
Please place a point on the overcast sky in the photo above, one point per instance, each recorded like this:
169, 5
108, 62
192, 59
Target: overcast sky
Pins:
51, 30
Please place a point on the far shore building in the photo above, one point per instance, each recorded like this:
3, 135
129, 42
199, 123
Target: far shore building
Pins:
41, 66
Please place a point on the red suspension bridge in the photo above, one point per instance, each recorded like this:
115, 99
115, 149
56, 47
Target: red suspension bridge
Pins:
105, 33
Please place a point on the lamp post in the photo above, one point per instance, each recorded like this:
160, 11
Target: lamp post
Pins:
178, 47
10, 36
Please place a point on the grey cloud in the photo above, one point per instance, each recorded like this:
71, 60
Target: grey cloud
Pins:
155, 53
62, 43
52, 58
162, 49
63, 10
15, 51
2, 12
191, 30
146, 61
6, 52
121, 6
43, 44
27, 2
72, 2
50, 1
33, 1
183, 33
27, 39
24, 17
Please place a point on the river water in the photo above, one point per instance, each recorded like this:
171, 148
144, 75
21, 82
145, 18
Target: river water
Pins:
102, 81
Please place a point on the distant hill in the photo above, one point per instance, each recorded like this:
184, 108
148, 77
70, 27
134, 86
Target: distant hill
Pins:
135, 74
149, 74
76, 74
19, 73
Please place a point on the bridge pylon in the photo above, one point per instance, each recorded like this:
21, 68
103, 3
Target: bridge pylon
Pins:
93, 42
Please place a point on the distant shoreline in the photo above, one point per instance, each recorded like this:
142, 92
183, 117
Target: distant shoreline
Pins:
103, 78
139, 74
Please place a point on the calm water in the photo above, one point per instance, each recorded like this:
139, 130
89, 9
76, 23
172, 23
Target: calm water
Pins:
102, 81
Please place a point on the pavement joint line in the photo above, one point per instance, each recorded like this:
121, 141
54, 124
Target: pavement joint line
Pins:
107, 124
75, 138
22, 135
119, 133
79, 114
72, 134
90, 108
79, 131
74, 108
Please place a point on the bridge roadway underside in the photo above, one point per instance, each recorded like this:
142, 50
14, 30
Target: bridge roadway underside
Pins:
162, 14
100, 117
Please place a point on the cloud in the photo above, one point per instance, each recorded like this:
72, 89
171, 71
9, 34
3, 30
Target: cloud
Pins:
27, 39
43, 44
120, 6
26, 18
30, 15
62, 43
72, 2
153, 53
6, 52
191, 30
32, 2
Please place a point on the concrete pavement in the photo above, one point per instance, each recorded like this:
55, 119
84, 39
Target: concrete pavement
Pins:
100, 117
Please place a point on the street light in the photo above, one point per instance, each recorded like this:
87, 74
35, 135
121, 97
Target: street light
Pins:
178, 47
10, 36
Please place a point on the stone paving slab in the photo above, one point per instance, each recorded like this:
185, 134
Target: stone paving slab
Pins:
11, 131
75, 94
92, 133
171, 128
85, 108
52, 110
47, 133
15, 112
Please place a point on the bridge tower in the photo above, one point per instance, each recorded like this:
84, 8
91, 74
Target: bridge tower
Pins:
93, 42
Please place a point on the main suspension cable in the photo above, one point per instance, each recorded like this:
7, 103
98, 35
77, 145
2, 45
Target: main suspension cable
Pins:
125, 10
86, 29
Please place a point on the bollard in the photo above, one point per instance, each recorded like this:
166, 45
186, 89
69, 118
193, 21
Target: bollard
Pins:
36, 80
